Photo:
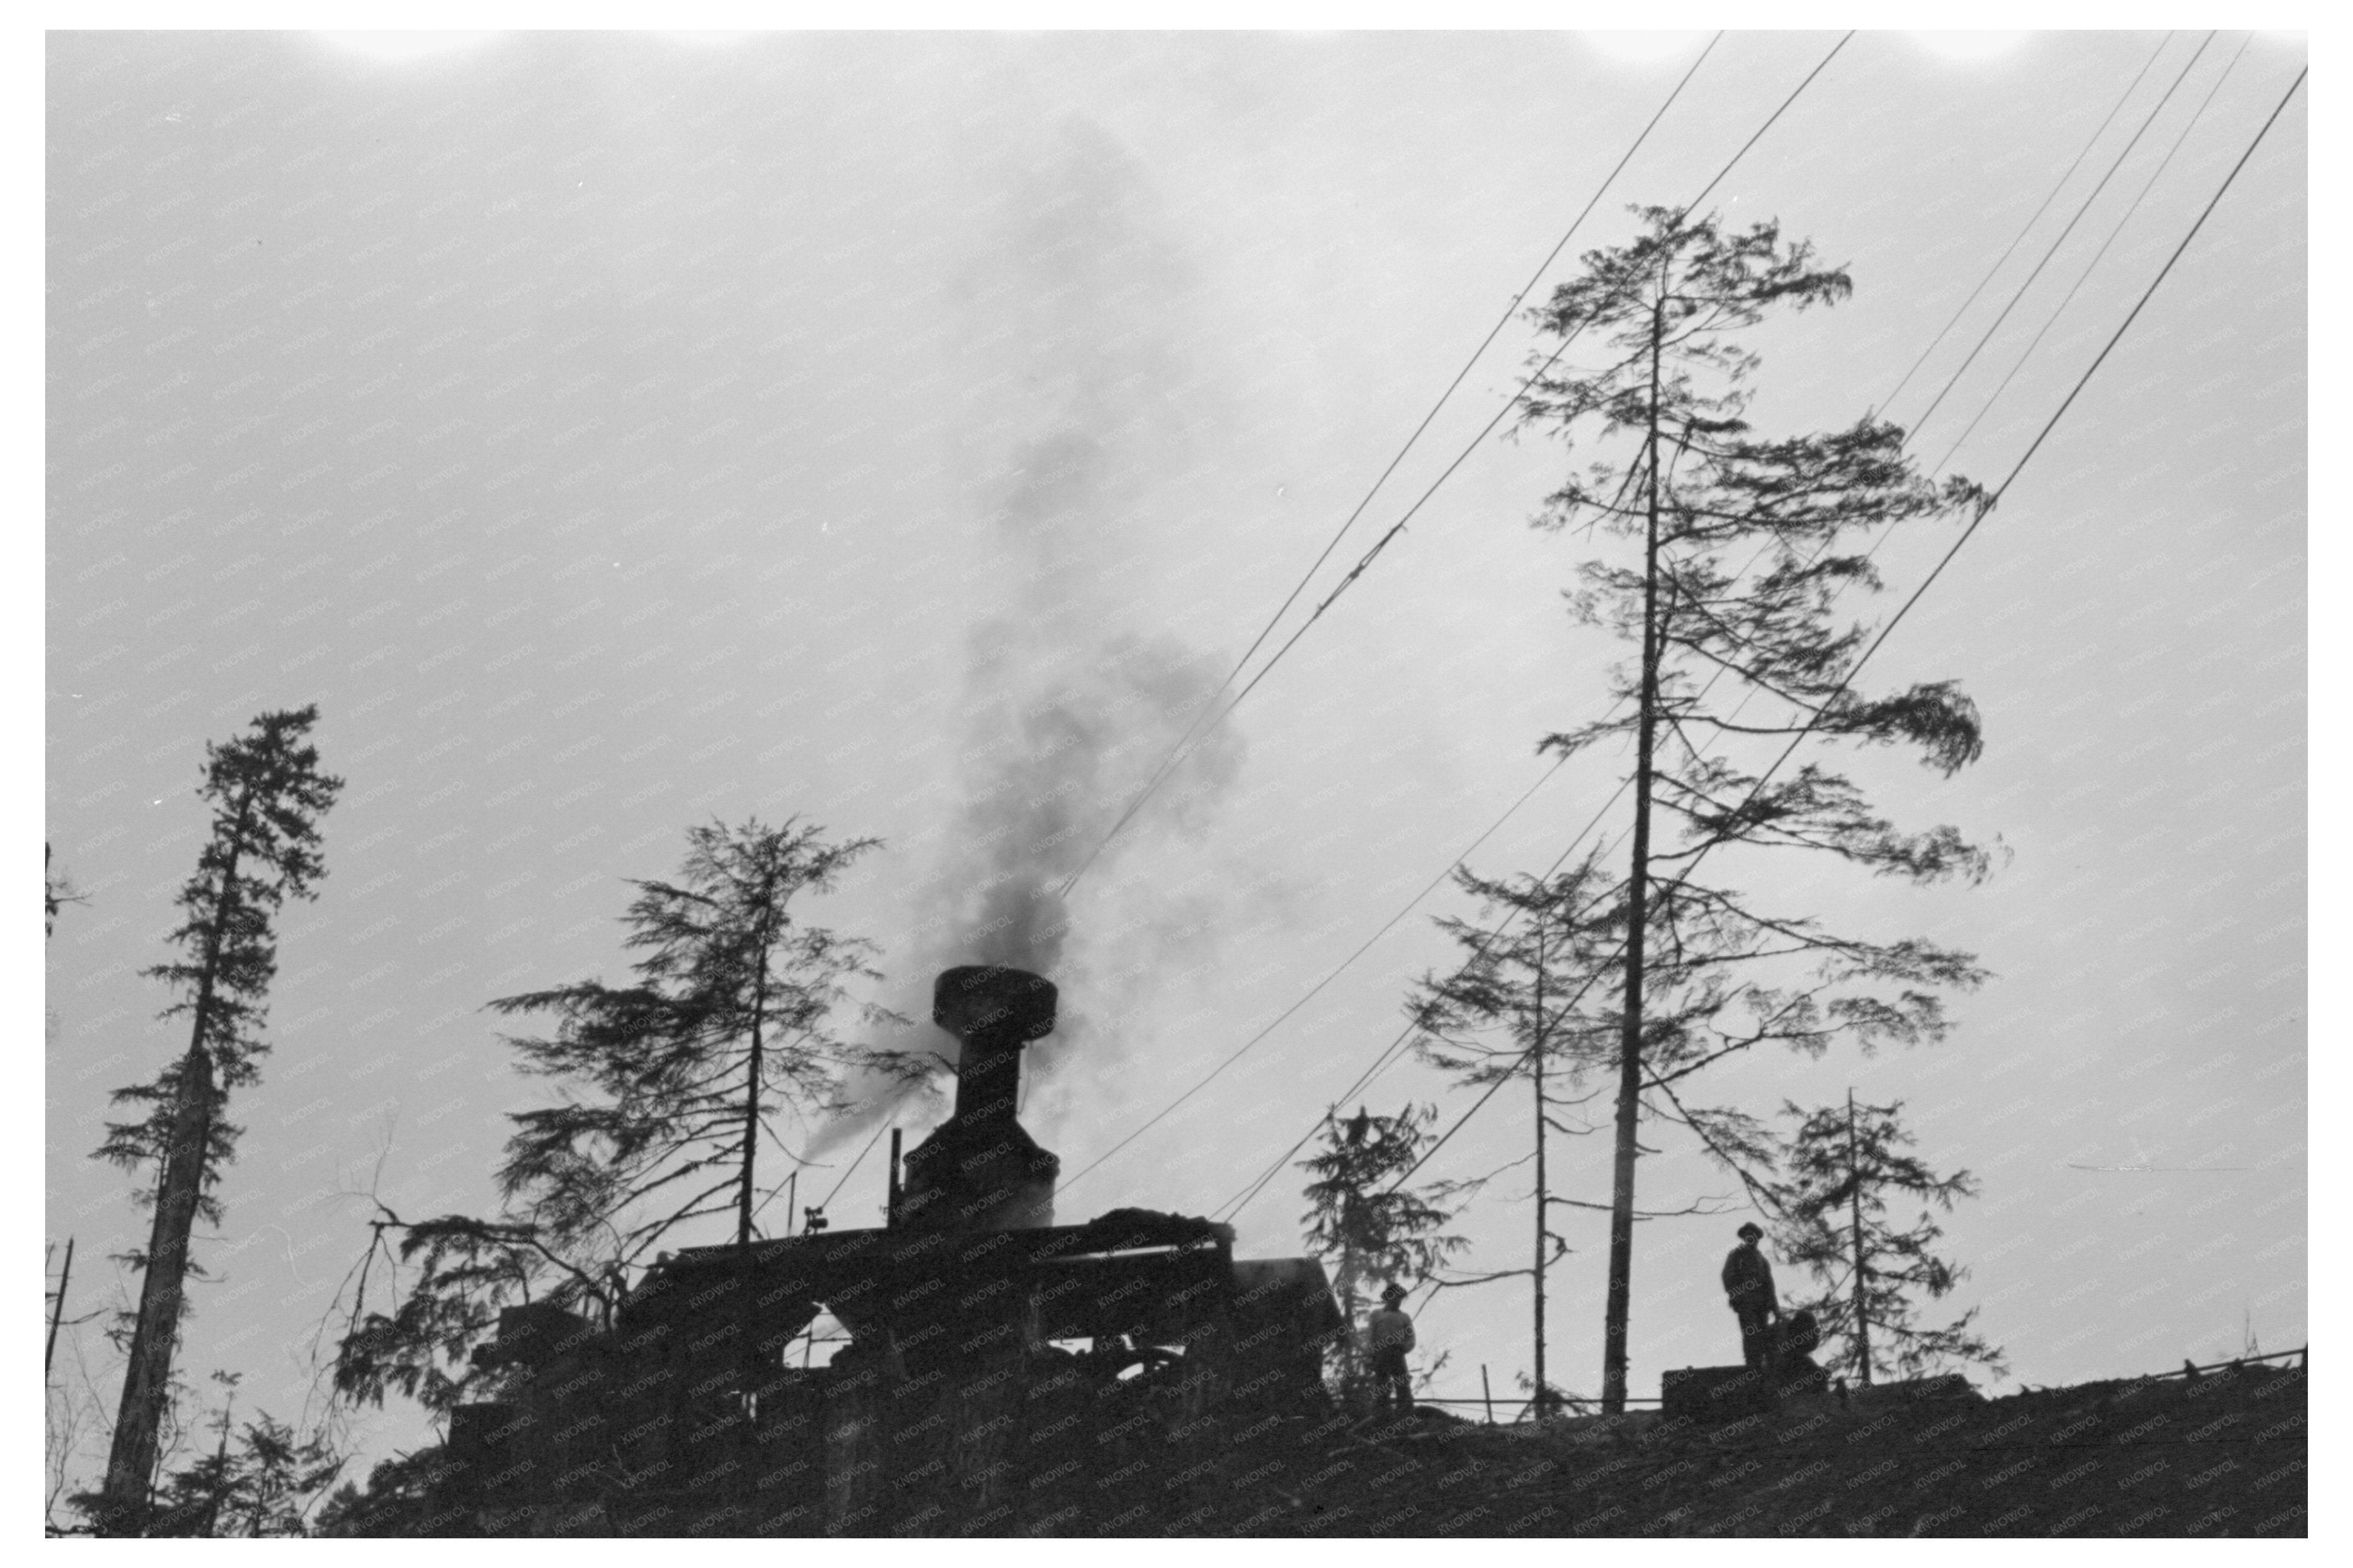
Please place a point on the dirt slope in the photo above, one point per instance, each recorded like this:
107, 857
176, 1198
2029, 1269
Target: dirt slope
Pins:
2221, 1456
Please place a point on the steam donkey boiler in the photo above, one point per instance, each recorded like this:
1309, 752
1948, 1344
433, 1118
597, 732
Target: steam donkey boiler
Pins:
984, 1338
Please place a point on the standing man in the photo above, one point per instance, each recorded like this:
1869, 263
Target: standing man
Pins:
1389, 1334
1748, 1285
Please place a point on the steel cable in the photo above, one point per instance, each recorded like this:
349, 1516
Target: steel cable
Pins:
1197, 734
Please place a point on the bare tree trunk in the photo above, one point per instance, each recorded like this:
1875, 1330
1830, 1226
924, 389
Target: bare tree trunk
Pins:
131, 1463
748, 1318
147, 1381
56, 1315
1638, 912
1855, 1201
1351, 1342
1537, 1050
220, 1475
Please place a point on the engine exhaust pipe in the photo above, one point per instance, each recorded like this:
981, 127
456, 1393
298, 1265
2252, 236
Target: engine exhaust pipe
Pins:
981, 1170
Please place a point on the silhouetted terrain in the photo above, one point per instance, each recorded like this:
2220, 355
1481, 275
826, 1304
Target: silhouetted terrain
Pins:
2223, 1454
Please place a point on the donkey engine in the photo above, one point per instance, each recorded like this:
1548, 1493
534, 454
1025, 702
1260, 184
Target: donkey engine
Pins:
988, 1346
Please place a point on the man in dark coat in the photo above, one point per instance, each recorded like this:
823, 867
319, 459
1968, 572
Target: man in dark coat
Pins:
1749, 1286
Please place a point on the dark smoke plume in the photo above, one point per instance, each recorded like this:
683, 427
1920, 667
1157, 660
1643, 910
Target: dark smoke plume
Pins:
1067, 711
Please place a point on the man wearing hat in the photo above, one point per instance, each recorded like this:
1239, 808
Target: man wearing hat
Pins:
1749, 1284
1389, 1334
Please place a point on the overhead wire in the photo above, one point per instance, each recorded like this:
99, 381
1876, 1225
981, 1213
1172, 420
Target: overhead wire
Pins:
1984, 510
880, 1128
2082, 207
2091, 266
1730, 164
1317, 990
1392, 1053
2027, 228
1342, 967
1388, 1054
1177, 753
1233, 1207
1185, 749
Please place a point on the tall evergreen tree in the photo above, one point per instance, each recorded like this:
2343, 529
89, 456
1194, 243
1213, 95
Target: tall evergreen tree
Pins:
266, 796
1733, 549
1371, 1227
688, 1070
671, 1087
1516, 1009
1843, 1164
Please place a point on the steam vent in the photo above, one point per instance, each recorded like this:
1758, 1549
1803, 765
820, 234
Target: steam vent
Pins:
996, 1362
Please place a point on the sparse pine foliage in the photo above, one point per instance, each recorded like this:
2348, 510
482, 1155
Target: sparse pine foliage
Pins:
1372, 1229
673, 1085
258, 1482
266, 796
673, 1088
1524, 997
1844, 1165
1726, 555
1524, 1004
465, 1270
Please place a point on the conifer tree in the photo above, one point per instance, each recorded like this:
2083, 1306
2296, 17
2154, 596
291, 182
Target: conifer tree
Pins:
259, 1481
672, 1089
1371, 1227
687, 1071
1522, 1006
266, 796
1730, 552
1844, 1164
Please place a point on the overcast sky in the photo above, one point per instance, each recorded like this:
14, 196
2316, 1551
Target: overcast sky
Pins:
610, 433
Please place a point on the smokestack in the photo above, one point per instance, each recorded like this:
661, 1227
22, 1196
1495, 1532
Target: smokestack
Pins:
981, 1170
994, 1012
